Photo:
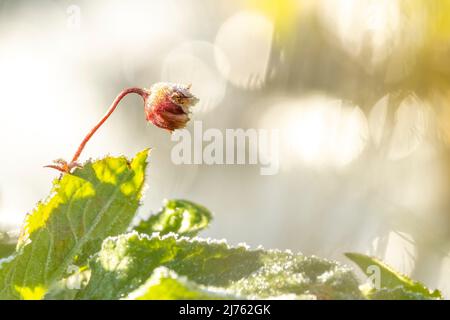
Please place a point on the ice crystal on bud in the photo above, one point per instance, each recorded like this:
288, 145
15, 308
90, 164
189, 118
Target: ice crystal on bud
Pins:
168, 105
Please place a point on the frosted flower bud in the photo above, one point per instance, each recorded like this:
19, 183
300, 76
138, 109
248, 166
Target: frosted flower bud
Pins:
168, 105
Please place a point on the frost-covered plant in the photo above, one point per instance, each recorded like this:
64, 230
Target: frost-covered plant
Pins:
80, 242
166, 105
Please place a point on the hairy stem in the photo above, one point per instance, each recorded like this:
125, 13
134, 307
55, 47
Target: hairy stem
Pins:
142, 92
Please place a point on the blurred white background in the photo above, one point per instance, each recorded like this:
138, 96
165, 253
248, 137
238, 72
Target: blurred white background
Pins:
358, 89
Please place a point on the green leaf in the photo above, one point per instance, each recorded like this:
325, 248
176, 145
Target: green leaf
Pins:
125, 262
391, 279
96, 201
398, 293
179, 216
164, 284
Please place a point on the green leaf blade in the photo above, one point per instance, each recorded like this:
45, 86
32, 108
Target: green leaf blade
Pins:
96, 201
392, 283
164, 284
127, 261
178, 216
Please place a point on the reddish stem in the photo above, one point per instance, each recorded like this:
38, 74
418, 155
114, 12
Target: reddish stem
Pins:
142, 92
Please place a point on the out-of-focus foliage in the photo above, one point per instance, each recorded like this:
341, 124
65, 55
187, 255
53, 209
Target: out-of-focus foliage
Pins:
393, 285
179, 216
283, 13
97, 203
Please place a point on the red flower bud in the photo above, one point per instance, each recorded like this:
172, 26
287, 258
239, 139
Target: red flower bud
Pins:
168, 105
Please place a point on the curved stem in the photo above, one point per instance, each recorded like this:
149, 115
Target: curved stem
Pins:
142, 92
